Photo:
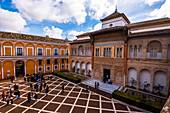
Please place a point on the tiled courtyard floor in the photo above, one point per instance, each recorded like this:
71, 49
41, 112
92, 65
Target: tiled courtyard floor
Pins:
73, 100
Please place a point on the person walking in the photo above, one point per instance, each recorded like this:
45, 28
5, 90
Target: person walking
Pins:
25, 78
3, 96
47, 89
7, 99
10, 91
44, 85
18, 94
48, 77
12, 78
32, 92
62, 88
31, 86
9, 86
87, 88
40, 87
28, 79
15, 93
11, 98
36, 97
29, 97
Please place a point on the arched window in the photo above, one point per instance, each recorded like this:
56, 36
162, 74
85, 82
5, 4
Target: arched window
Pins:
135, 51
81, 50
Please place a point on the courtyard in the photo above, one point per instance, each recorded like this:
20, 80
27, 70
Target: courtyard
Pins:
74, 99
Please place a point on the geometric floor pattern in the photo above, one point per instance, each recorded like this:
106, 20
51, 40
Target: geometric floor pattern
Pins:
74, 99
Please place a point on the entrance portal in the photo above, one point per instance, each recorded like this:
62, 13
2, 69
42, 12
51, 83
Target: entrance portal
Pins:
19, 68
106, 74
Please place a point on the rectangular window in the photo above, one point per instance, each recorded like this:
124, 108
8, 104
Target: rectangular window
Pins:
107, 52
40, 62
48, 62
62, 66
40, 69
67, 52
55, 67
48, 68
110, 52
67, 66
40, 51
119, 52
55, 61
55, 51
62, 60
97, 52
19, 51
153, 53
67, 61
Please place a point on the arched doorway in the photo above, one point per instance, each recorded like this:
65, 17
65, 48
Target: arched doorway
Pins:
132, 77
19, 68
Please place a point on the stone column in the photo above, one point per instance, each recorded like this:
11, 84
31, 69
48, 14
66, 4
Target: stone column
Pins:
164, 53
25, 67
14, 50
138, 80
35, 66
59, 65
151, 82
44, 65
75, 67
52, 64
2, 70
1, 50
144, 50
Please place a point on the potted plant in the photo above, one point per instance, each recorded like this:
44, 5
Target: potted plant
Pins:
78, 70
158, 89
133, 82
82, 71
146, 85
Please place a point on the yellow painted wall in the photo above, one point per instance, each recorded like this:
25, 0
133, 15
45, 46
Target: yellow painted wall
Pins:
48, 65
55, 65
40, 66
8, 68
30, 67
30, 50
62, 64
7, 50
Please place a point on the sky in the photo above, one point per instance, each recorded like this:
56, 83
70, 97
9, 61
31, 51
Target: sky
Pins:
68, 18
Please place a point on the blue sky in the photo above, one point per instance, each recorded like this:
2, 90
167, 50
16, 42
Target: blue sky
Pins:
68, 18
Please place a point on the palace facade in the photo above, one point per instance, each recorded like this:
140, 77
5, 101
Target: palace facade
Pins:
126, 52
27, 54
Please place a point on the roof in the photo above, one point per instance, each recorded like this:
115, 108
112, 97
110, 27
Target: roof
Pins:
10, 35
80, 41
150, 33
149, 22
116, 15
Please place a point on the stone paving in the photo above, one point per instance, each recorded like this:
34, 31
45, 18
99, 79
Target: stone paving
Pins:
103, 86
73, 100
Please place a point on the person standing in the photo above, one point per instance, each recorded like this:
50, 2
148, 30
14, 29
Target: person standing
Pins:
48, 77
31, 86
63, 88
29, 97
18, 94
44, 85
9, 86
11, 98
47, 89
15, 87
10, 91
3, 96
87, 88
28, 79
12, 79
7, 99
40, 87
36, 97
25, 78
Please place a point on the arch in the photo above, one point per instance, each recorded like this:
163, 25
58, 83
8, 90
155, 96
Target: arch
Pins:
145, 77
56, 47
72, 63
48, 49
132, 75
7, 44
29, 45
89, 68
82, 67
7, 48
8, 68
19, 44
19, 68
30, 49
154, 50
30, 64
80, 50
78, 67
48, 46
39, 46
160, 78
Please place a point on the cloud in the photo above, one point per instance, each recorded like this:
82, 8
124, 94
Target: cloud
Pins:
164, 11
72, 34
151, 2
97, 27
53, 32
61, 11
12, 21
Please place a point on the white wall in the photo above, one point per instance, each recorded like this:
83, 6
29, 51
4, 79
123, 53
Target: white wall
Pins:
145, 75
72, 64
132, 73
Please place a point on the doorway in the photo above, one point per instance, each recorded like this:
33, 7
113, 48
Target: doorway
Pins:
106, 74
19, 68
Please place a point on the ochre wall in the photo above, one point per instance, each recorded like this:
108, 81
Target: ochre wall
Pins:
40, 66
8, 68
30, 64
48, 65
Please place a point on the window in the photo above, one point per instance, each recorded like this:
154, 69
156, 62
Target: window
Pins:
55, 67
62, 66
48, 68
40, 62
40, 69
48, 62
153, 53
75, 51
119, 52
97, 52
40, 51
55, 61
67, 52
19, 51
107, 52
62, 60
67, 66
55, 51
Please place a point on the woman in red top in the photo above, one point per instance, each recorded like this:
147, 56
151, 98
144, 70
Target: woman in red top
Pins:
3, 96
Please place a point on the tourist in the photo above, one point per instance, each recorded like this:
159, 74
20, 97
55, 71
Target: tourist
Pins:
62, 88
32, 92
17, 77
29, 97
28, 79
47, 89
15, 93
12, 79
40, 87
3, 96
48, 77
10, 92
18, 94
7, 99
44, 85
31, 86
51, 77
36, 97
87, 88
9, 86
25, 78
11, 98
